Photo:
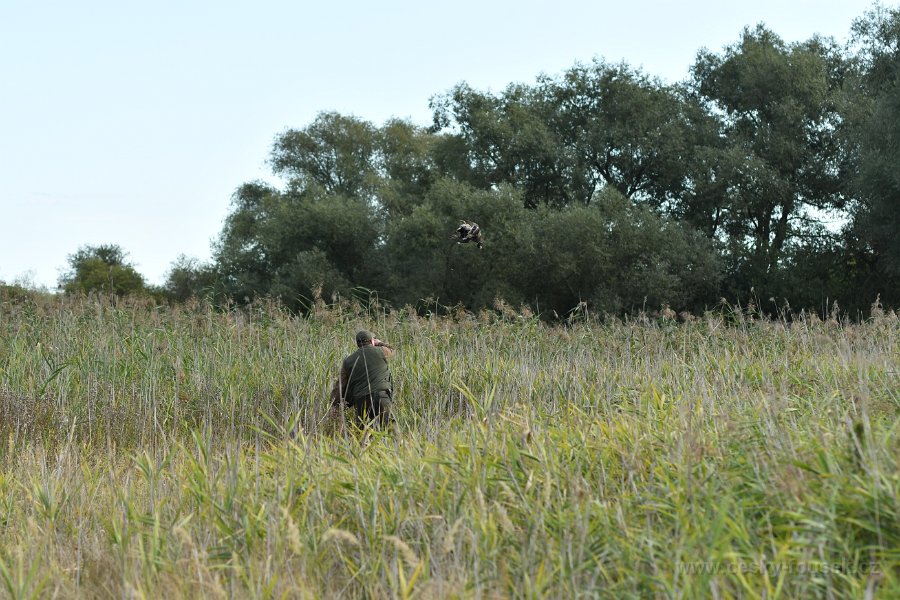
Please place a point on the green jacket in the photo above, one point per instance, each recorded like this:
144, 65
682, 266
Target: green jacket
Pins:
366, 372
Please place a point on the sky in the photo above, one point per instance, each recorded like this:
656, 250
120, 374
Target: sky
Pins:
132, 123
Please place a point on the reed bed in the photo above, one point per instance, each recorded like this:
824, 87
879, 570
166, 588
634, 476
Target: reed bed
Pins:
154, 452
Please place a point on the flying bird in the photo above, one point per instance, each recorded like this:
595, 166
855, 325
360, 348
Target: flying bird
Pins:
469, 231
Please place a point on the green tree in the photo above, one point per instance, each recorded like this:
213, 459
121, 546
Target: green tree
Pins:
613, 254
564, 139
336, 153
877, 219
492, 140
616, 256
826, 270
390, 167
285, 244
422, 261
405, 165
780, 165
102, 268
190, 278
345, 178
622, 129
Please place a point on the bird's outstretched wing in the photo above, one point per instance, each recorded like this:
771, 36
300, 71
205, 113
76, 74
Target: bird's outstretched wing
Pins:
468, 231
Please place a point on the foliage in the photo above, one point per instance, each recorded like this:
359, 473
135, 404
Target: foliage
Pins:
624, 130
566, 138
781, 156
769, 173
17, 293
349, 157
877, 220
102, 269
181, 451
728, 181
189, 278
285, 244
334, 153
548, 258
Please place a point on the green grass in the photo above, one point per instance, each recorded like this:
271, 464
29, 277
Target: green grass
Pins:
155, 452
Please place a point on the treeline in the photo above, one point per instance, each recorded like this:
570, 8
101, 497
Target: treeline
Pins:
771, 174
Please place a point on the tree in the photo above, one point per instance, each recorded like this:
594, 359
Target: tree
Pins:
612, 254
335, 153
877, 219
405, 165
422, 261
390, 167
565, 139
489, 141
616, 256
285, 244
779, 164
622, 129
189, 278
102, 268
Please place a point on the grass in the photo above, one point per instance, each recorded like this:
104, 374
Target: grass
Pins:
183, 452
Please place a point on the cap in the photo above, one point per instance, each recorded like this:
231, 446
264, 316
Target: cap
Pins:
363, 336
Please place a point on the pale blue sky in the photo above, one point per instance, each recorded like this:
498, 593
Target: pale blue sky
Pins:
132, 123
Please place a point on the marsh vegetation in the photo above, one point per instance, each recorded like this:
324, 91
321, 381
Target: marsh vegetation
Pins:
180, 452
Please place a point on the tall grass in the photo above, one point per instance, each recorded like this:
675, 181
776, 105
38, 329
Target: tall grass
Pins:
184, 452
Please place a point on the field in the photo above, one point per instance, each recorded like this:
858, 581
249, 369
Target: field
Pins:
162, 452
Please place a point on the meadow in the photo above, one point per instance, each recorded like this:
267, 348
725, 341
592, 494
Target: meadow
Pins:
184, 452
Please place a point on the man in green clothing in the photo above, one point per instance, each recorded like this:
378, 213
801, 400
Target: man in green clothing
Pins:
365, 382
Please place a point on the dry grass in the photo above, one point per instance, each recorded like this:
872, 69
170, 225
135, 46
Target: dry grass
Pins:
148, 452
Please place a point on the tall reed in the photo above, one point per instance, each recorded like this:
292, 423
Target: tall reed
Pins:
185, 451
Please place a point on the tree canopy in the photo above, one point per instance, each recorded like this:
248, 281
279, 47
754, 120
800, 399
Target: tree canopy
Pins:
878, 179
771, 171
102, 268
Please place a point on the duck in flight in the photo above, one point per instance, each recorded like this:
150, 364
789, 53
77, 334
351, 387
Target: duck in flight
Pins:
469, 231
